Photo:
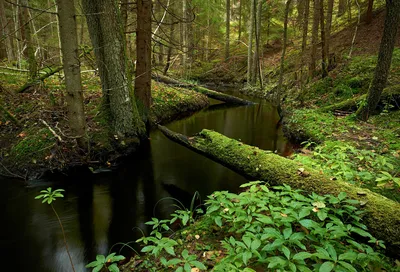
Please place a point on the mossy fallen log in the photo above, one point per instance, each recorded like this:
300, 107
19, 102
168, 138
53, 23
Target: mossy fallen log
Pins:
382, 215
39, 79
210, 93
390, 95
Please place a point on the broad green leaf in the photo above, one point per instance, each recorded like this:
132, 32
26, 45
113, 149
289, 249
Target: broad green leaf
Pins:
307, 223
247, 241
170, 250
93, 264
246, 256
255, 244
349, 255
326, 267
302, 256
347, 266
322, 215
174, 261
342, 196
198, 265
287, 232
147, 248
286, 252
275, 262
187, 267
113, 268
304, 212
101, 258
332, 252
218, 221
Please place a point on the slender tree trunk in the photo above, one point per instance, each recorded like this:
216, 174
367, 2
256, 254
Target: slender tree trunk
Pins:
184, 36
391, 26
190, 36
72, 70
143, 65
6, 38
30, 51
328, 30
106, 32
169, 54
256, 55
240, 20
250, 42
282, 66
314, 39
368, 18
323, 40
304, 39
228, 22
342, 7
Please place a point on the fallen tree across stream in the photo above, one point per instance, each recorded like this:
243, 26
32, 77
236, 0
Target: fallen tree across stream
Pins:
210, 93
382, 215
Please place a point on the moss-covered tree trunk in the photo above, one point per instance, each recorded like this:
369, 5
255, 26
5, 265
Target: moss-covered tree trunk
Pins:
106, 33
143, 56
382, 215
391, 26
72, 70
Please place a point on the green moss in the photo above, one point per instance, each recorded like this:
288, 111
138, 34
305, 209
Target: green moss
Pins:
34, 146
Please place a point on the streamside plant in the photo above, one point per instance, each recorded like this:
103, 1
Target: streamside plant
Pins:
50, 196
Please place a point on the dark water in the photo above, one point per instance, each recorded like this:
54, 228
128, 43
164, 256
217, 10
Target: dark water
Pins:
104, 209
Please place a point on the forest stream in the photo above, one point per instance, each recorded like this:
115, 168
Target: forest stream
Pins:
103, 209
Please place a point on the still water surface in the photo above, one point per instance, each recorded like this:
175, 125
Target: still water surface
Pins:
104, 209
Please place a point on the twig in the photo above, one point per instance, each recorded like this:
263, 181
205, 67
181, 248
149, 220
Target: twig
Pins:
52, 131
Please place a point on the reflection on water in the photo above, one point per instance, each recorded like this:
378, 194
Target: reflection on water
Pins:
99, 211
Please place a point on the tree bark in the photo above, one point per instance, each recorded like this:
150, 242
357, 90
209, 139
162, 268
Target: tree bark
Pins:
342, 7
106, 33
227, 28
6, 38
282, 66
314, 40
250, 43
256, 55
184, 46
328, 30
143, 65
323, 40
27, 34
240, 20
368, 18
382, 215
391, 26
72, 70
304, 39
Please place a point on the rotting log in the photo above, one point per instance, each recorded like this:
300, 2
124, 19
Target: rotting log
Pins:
210, 93
382, 214
39, 79
390, 95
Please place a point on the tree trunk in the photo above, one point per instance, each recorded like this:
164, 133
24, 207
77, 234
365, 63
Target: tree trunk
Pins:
124, 17
143, 65
6, 38
256, 55
282, 66
368, 18
342, 7
106, 33
391, 26
240, 20
304, 39
314, 40
170, 46
184, 37
250, 43
72, 70
328, 30
228, 22
382, 215
30, 51
323, 40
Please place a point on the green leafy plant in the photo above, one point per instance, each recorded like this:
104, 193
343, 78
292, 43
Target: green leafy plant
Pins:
109, 262
185, 264
50, 196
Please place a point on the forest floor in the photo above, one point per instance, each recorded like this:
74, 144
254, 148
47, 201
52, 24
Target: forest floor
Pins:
34, 139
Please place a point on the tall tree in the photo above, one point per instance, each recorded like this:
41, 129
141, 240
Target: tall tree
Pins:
282, 66
143, 65
256, 67
328, 30
72, 70
323, 40
27, 35
391, 26
304, 39
314, 38
250, 42
368, 18
5, 38
106, 34
240, 21
227, 27
342, 7
184, 41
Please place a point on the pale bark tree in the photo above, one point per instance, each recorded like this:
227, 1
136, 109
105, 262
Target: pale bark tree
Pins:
250, 42
72, 70
227, 27
390, 30
184, 42
282, 66
106, 33
314, 38
256, 73
143, 65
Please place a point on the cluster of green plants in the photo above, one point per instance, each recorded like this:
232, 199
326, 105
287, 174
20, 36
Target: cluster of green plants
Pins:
357, 166
275, 228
